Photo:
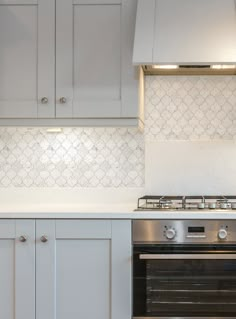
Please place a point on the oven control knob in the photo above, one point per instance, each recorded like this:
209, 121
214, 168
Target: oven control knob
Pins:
222, 234
170, 233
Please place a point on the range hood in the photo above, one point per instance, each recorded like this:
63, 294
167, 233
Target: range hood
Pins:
186, 36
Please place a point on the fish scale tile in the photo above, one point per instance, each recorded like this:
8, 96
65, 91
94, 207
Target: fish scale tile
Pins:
78, 157
190, 107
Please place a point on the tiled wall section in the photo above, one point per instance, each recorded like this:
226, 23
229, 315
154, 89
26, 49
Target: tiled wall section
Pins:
190, 108
177, 108
76, 158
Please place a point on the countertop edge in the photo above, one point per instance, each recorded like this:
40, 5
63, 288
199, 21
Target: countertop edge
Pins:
130, 215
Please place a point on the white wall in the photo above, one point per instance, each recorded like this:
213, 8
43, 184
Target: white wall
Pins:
191, 167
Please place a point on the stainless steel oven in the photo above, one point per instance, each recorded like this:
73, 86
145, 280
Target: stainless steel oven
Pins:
184, 269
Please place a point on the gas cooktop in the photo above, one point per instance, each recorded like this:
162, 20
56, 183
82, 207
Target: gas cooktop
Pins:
187, 203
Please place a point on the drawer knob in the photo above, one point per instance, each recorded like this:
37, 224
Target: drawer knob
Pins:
23, 238
44, 239
44, 100
62, 100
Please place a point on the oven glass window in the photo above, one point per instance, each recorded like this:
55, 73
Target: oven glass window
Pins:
184, 287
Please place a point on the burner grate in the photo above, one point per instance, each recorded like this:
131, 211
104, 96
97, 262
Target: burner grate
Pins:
186, 202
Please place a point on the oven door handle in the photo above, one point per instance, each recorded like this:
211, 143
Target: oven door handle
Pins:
186, 256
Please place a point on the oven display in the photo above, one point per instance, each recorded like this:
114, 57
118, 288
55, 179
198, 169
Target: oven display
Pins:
196, 229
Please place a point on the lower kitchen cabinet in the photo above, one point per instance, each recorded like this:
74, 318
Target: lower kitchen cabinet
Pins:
65, 269
17, 269
83, 269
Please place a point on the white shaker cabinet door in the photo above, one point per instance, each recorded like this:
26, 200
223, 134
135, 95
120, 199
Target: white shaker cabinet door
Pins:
27, 40
83, 270
94, 73
17, 269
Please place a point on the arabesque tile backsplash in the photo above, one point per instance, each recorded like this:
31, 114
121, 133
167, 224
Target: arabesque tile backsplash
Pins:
78, 157
176, 108
190, 108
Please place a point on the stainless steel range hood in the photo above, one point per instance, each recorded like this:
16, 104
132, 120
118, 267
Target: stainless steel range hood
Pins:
186, 36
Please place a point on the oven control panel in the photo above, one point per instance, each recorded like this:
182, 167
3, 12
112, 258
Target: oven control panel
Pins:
184, 231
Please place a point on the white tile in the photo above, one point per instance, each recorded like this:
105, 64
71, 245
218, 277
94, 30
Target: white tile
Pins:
200, 107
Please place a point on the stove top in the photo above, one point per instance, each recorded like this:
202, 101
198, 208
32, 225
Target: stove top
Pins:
187, 203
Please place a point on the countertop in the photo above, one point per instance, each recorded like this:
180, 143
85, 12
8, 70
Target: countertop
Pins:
88, 213
88, 204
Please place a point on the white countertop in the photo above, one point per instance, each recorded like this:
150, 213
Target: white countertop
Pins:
89, 214
88, 204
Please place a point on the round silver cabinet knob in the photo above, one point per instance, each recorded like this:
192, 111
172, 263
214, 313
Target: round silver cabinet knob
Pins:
62, 100
170, 233
44, 100
44, 239
222, 234
22, 238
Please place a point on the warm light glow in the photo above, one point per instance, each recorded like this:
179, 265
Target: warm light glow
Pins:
222, 66
165, 66
54, 130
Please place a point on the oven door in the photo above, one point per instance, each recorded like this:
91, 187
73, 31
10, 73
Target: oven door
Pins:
184, 281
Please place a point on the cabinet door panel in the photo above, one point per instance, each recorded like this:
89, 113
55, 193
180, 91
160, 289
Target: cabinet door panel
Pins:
18, 60
45, 270
21, 59
121, 270
7, 278
17, 269
97, 58
94, 59
25, 270
83, 279
73, 269
84, 269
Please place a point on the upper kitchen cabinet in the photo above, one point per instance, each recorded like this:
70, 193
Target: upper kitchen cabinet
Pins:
27, 36
94, 73
69, 63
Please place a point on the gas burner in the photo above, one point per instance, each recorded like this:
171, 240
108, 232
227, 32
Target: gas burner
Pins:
223, 204
165, 203
187, 203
